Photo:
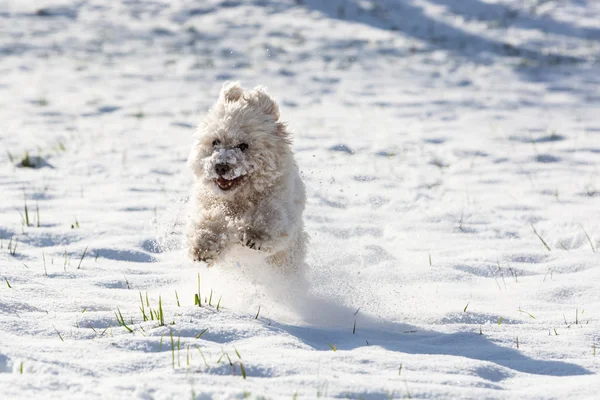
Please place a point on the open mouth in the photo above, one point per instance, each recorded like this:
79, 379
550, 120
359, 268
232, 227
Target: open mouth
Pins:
227, 184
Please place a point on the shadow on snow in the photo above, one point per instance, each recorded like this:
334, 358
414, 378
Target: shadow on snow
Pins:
410, 339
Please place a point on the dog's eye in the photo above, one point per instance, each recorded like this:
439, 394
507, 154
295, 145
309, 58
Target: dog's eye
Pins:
216, 142
242, 146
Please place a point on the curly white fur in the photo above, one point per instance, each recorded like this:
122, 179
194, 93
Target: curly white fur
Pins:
263, 200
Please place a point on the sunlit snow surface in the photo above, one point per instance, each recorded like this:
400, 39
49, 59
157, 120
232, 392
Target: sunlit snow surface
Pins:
433, 137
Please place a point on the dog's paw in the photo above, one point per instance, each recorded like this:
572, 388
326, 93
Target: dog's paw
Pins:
200, 253
254, 240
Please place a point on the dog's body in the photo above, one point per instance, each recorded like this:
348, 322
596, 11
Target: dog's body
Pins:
248, 190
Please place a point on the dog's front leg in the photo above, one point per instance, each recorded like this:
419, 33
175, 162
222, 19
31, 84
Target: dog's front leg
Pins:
206, 238
264, 231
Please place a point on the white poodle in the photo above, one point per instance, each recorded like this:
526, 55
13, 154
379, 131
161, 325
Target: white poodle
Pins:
248, 191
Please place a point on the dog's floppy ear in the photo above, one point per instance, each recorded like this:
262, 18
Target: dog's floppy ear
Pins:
231, 91
262, 101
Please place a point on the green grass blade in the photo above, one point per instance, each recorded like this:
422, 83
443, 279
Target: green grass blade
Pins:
243, 370
202, 354
161, 316
82, 257
59, 335
172, 348
201, 333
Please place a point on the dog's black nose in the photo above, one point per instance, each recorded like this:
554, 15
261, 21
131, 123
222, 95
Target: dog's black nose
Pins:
222, 169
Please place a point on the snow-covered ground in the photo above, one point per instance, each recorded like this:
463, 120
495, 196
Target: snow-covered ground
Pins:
450, 151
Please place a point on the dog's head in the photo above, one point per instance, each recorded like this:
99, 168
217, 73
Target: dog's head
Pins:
241, 146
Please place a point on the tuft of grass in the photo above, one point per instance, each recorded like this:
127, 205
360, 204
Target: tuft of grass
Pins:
198, 296
12, 248
66, 260
525, 312
210, 298
538, 235
334, 347
202, 354
21, 368
430, 264
566, 323
27, 161
588, 238
258, 312
467, 306
121, 320
219, 302
7, 283
143, 309
44, 259
177, 298
41, 102
407, 391
354, 328
82, 257
243, 370
517, 342
59, 335
172, 348
26, 210
37, 213
241, 364
178, 350
499, 320
201, 333
75, 224
161, 315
